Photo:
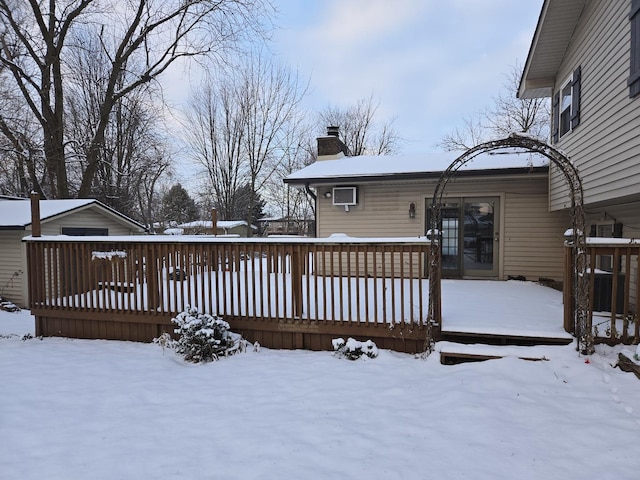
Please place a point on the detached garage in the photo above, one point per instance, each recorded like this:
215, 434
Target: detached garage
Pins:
84, 217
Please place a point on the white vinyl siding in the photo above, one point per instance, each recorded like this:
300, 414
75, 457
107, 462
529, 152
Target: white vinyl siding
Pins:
606, 146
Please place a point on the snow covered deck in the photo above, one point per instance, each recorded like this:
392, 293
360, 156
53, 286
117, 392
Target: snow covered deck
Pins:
282, 294
513, 310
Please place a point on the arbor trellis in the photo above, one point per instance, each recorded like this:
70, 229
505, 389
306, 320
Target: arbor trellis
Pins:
582, 322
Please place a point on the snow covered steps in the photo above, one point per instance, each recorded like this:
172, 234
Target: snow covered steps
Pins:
453, 353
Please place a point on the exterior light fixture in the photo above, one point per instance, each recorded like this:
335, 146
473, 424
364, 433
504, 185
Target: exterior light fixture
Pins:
412, 210
327, 194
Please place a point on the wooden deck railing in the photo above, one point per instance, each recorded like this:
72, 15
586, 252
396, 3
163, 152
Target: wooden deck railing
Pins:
293, 293
612, 268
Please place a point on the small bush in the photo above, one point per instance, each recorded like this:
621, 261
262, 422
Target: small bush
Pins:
353, 349
203, 337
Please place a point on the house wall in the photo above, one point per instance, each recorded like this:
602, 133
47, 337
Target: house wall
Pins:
531, 238
87, 218
605, 147
13, 253
12, 265
241, 230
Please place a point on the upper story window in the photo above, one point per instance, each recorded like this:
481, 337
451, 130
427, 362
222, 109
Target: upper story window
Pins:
634, 74
566, 106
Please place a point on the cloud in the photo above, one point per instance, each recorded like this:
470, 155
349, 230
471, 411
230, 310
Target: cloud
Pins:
429, 62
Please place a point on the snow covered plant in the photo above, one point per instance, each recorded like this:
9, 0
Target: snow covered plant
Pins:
353, 349
203, 337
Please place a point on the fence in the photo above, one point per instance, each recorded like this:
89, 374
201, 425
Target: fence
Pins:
293, 293
612, 268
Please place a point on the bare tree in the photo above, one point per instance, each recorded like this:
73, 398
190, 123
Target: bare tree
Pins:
21, 166
237, 127
34, 46
470, 133
269, 99
292, 203
215, 133
506, 114
133, 149
359, 130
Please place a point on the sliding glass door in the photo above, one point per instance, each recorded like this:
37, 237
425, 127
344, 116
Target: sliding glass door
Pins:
469, 229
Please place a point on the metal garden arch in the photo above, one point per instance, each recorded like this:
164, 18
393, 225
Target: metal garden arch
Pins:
576, 239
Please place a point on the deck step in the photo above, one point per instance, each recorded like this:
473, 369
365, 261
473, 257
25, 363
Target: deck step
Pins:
504, 339
453, 353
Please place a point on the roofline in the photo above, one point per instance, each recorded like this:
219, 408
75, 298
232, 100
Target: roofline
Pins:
413, 176
123, 218
542, 87
534, 42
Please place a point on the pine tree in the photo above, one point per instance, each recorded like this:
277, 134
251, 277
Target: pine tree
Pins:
178, 206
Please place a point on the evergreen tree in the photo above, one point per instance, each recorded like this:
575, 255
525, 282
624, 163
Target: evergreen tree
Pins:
178, 206
242, 200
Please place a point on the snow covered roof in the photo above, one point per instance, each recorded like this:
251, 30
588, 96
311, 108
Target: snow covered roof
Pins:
16, 214
369, 167
220, 224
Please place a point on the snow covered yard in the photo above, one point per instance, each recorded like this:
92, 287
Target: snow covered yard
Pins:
119, 410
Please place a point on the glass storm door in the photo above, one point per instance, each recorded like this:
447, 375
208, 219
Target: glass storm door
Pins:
469, 228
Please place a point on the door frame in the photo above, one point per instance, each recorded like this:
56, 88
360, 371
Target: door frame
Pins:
498, 255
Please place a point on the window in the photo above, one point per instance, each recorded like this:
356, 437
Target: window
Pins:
634, 73
566, 106
565, 109
85, 232
606, 230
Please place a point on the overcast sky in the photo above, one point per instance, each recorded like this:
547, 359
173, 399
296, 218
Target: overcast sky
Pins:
428, 62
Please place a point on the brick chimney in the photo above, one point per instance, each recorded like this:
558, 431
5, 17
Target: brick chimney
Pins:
330, 146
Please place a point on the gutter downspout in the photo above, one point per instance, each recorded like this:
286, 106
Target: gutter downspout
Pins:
315, 202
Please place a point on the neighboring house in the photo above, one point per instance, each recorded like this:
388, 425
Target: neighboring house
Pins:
495, 219
585, 55
57, 217
204, 227
286, 226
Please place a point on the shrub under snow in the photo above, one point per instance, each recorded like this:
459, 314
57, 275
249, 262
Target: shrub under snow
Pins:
203, 337
353, 349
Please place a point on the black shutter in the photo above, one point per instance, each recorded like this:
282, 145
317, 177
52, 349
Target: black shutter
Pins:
617, 230
575, 98
634, 68
593, 232
555, 118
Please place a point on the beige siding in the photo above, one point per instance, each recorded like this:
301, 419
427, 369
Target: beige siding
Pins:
13, 256
531, 238
12, 266
88, 218
606, 145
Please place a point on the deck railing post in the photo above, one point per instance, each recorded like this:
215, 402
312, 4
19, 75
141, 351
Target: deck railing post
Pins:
567, 290
296, 280
151, 275
36, 230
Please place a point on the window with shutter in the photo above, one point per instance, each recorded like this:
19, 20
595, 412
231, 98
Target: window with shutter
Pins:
634, 70
566, 106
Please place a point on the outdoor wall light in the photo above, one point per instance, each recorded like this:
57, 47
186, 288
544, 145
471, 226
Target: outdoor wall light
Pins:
412, 210
327, 194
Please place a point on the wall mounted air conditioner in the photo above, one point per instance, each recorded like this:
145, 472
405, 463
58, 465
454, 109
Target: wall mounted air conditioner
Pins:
345, 196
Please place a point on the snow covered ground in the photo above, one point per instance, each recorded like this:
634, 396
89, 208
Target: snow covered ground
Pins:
121, 410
